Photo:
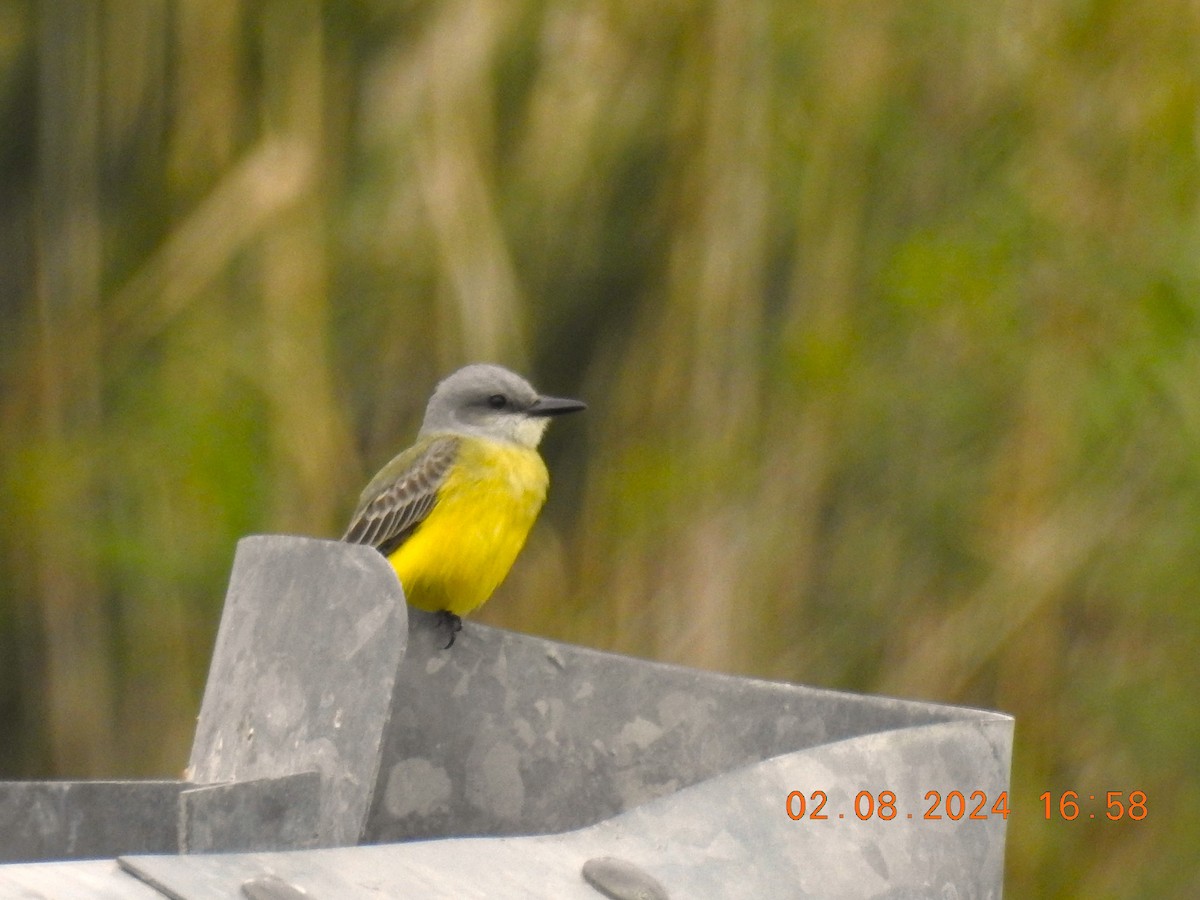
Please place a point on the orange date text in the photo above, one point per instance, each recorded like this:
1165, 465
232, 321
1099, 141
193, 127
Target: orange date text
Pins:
954, 806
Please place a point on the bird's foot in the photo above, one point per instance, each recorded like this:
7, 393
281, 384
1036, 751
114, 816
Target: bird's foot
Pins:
452, 623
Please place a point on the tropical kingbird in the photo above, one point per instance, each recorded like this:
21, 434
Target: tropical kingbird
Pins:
452, 511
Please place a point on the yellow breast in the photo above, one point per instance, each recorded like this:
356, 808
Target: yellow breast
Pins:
461, 552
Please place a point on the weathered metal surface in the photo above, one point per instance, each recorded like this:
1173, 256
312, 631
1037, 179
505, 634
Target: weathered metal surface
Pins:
727, 837
505, 733
86, 819
101, 879
264, 814
332, 717
303, 673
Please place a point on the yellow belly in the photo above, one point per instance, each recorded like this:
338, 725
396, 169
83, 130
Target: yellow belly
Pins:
461, 552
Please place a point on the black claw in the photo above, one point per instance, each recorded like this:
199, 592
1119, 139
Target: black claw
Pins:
450, 622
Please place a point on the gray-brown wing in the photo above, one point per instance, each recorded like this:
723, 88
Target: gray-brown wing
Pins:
403, 493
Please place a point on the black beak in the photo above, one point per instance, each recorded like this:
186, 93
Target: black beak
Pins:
554, 406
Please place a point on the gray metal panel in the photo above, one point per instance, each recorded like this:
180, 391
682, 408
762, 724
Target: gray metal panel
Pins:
303, 673
505, 733
265, 814
728, 837
81, 819
93, 880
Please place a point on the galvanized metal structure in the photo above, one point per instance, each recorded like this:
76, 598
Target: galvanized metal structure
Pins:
511, 766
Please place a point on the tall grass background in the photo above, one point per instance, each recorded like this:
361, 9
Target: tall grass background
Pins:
886, 313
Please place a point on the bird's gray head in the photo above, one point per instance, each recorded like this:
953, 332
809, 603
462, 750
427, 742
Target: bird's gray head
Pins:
492, 402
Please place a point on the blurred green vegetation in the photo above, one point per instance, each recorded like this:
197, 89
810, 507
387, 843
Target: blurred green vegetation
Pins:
887, 314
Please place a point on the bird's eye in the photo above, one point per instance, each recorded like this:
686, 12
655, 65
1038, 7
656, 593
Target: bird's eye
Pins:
497, 401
